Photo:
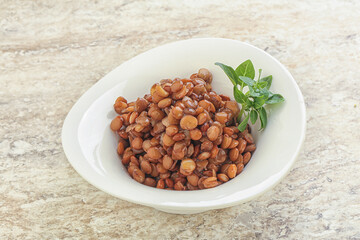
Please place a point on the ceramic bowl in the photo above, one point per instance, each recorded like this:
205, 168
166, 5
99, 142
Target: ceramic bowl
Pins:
90, 146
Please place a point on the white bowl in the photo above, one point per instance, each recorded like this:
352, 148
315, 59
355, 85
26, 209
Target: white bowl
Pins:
90, 146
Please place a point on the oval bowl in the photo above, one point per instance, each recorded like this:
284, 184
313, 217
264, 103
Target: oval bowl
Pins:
90, 146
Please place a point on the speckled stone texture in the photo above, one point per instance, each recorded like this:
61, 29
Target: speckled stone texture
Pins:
51, 52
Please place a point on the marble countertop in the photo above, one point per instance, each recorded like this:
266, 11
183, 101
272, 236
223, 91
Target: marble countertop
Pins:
51, 52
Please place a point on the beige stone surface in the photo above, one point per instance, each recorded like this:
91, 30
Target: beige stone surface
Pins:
51, 52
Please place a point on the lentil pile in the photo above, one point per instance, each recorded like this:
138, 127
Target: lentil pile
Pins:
182, 136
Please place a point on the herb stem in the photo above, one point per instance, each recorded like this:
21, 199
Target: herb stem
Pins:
241, 113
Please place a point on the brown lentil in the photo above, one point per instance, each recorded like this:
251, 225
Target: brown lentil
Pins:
120, 148
172, 130
248, 137
226, 141
178, 137
246, 157
154, 153
206, 146
213, 133
203, 156
138, 175
195, 134
160, 184
250, 148
242, 145
160, 168
202, 117
234, 154
146, 167
188, 122
150, 182
176, 86
231, 171
116, 123
222, 177
234, 144
210, 182
179, 186
193, 179
187, 166
167, 140
201, 165
164, 175
214, 152
167, 162
239, 167
165, 103
205, 74
169, 183
137, 143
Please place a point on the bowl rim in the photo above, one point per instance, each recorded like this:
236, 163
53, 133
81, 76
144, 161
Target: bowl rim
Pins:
260, 188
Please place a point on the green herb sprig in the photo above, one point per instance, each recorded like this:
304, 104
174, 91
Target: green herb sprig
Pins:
258, 94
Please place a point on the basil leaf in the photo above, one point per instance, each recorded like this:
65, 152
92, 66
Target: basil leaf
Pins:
276, 98
247, 81
262, 84
254, 92
246, 69
263, 118
230, 72
268, 80
242, 125
239, 96
258, 102
253, 116
265, 93
248, 104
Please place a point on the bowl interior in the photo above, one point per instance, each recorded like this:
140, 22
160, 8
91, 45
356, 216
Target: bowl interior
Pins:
91, 146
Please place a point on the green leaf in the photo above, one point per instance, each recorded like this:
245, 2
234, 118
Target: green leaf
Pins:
239, 96
230, 72
265, 93
259, 102
242, 125
247, 81
247, 105
263, 118
268, 80
253, 116
238, 118
254, 92
246, 69
276, 98
262, 84
260, 71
